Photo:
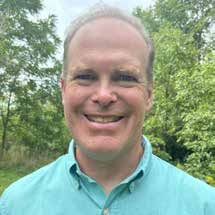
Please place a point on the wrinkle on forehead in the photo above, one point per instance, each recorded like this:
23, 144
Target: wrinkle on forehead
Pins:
111, 30
131, 69
75, 68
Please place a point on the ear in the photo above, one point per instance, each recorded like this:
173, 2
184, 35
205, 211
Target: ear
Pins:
63, 86
149, 98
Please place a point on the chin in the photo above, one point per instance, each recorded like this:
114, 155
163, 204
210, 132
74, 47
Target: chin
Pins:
103, 148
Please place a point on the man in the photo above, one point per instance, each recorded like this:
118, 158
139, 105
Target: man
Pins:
110, 169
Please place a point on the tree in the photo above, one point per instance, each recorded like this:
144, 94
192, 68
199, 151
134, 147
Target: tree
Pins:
181, 125
28, 47
175, 54
196, 99
193, 17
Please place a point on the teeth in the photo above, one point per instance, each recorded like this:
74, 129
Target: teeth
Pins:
103, 119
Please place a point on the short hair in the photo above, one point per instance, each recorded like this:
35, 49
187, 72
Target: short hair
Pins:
102, 10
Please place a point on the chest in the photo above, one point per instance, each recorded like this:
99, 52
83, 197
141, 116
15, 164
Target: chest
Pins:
123, 202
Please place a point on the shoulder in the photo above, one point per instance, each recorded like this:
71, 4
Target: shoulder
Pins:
179, 176
32, 185
42, 175
189, 190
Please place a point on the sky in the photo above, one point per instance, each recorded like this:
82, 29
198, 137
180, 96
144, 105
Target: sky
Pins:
67, 10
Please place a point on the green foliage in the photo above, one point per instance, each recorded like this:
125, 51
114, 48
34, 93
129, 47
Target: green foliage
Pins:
30, 103
196, 99
181, 124
8, 176
194, 17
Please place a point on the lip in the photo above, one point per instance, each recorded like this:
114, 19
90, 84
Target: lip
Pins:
101, 125
103, 119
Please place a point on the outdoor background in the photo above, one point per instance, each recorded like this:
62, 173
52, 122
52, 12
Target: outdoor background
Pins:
181, 125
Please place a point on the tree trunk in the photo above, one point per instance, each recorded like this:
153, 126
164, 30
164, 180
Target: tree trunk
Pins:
3, 142
5, 120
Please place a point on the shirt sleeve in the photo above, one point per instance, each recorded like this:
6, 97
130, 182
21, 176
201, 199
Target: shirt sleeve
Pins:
210, 205
2, 205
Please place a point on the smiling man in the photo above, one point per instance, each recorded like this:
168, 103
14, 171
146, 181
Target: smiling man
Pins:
110, 169
106, 94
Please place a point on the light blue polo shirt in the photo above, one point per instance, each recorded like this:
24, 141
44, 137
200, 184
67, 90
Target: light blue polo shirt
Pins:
155, 188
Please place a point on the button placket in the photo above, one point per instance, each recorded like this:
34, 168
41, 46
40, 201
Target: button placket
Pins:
106, 211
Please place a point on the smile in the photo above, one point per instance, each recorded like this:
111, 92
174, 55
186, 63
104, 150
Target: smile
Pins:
103, 119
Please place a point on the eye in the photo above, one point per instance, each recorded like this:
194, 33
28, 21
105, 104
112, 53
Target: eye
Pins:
124, 77
127, 78
85, 77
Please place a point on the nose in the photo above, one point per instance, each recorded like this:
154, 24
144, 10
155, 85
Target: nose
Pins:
104, 96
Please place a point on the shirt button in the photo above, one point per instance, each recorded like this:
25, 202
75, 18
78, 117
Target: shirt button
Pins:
106, 211
131, 187
76, 183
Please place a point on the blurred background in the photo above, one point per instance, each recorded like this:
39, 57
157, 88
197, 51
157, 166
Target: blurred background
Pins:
181, 125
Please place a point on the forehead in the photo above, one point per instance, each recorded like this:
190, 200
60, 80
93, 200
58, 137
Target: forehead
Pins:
106, 32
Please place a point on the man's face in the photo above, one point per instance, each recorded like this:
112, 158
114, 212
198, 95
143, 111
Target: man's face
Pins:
105, 94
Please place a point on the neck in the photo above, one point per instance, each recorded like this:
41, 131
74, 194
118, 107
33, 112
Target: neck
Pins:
110, 173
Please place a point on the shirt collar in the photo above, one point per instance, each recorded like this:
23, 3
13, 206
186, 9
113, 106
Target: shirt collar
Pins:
142, 169
71, 154
145, 163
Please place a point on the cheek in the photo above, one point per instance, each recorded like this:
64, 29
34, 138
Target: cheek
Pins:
136, 98
70, 99
74, 93
71, 89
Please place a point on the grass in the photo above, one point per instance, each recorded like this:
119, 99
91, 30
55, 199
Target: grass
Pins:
9, 175
17, 163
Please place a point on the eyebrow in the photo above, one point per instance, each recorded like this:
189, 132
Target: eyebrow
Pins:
75, 69
130, 69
